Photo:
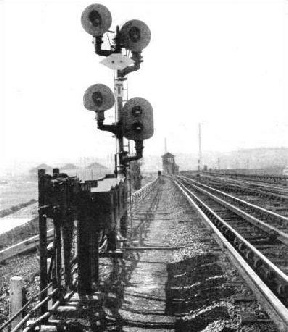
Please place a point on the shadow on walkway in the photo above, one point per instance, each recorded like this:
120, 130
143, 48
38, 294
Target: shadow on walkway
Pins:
195, 293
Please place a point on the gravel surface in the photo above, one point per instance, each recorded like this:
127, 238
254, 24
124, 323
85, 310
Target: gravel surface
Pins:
192, 287
26, 266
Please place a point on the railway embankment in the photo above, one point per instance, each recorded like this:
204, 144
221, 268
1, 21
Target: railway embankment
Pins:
174, 276
186, 283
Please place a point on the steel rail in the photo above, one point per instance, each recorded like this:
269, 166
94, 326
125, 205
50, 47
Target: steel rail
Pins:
241, 201
282, 236
263, 189
254, 177
271, 303
255, 251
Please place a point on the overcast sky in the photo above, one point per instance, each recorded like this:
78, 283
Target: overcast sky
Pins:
221, 63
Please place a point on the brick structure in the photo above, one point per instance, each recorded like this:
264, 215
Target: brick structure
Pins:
168, 164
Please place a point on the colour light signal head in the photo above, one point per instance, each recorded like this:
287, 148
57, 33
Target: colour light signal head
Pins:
96, 19
98, 97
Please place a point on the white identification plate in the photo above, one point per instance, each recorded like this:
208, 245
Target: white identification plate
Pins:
117, 61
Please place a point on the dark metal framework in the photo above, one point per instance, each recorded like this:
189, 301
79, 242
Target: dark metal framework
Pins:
117, 128
85, 216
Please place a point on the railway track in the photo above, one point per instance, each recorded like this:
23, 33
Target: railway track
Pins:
269, 221
171, 276
260, 241
276, 193
256, 178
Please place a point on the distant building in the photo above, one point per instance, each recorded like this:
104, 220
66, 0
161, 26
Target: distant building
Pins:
33, 172
68, 166
168, 164
93, 171
96, 165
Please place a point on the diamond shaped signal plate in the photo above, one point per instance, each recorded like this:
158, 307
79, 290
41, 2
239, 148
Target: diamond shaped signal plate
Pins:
117, 61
